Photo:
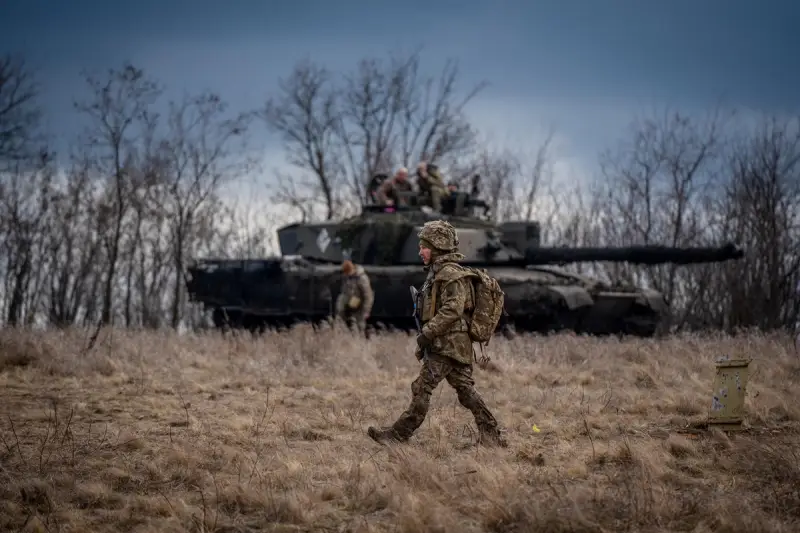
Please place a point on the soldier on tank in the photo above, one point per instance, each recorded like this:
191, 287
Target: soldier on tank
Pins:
354, 303
430, 181
387, 193
373, 186
446, 296
449, 201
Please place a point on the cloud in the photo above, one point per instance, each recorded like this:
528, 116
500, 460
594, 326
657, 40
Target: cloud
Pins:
584, 70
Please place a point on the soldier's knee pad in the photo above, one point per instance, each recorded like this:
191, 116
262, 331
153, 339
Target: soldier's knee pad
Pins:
419, 387
465, 392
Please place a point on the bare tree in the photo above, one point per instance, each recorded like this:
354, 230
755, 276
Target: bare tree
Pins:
761, 205
295, 193
306, 116
392, 114
498, 172
345, 130
74, 246
533, 183
197, 161
579, 218
249, 232
20, 114
24, 206
515, 185
149, 247
26, 175
654, 187
118, 112
113, 232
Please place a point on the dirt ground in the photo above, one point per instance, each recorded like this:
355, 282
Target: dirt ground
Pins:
161, 432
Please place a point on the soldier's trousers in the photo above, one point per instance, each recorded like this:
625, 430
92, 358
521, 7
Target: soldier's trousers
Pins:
458, 376
355, 320
437, 194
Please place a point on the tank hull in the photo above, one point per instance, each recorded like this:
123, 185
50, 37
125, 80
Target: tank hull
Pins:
302, 283
282, 291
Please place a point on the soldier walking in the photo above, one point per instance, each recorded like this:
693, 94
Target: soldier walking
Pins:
445, 297
354, 303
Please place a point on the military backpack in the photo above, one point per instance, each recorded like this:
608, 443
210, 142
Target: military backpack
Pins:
489, 302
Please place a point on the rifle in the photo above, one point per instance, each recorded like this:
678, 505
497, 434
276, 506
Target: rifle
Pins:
414, 298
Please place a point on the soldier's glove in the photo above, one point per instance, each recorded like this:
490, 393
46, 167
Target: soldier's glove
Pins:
423, 342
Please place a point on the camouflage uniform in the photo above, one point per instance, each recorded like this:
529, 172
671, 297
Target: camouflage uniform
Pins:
356, 297
444, 333
387, 191
431, 181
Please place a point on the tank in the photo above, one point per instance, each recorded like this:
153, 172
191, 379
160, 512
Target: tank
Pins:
302, 283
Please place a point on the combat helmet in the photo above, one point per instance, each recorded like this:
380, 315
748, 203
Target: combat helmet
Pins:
439, 235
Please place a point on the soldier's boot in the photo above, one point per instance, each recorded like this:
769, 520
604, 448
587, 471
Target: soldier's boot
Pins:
363, 328
386, 435
489, 436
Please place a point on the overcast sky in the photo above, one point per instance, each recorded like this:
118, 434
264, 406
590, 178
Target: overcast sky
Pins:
585, 67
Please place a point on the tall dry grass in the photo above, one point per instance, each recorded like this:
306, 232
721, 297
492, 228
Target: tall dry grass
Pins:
159, 432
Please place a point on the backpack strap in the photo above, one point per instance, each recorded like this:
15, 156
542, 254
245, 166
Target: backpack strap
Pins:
434, 287
483, 360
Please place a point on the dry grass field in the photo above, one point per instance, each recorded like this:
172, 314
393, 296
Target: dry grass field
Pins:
160, 432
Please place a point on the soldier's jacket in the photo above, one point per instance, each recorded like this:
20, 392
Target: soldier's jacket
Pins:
433, 180
446, 319
387, 189
356, 289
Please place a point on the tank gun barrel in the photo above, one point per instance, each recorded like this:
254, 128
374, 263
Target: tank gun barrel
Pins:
643, 255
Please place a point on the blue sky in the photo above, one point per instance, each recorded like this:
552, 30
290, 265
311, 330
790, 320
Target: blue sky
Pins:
585, 67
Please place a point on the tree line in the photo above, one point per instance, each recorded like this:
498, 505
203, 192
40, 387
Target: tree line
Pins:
103, 234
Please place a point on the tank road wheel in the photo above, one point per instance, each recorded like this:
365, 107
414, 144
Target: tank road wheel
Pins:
570, 319
319, 324
224, 320
277, 324
227, 321
254, 324
218, 317
643, 322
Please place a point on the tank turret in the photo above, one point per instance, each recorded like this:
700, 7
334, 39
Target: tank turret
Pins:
390, 238
303, 283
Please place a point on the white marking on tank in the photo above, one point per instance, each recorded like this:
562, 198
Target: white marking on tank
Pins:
323, 240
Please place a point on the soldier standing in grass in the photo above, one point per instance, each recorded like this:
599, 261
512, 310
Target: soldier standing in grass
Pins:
445, 298
355, 300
